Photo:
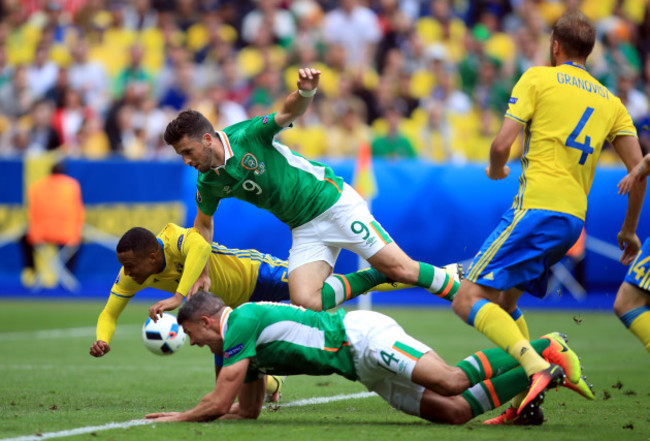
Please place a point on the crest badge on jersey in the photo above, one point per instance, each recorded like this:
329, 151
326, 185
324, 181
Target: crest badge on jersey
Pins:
198, 197
265, 119
249, 162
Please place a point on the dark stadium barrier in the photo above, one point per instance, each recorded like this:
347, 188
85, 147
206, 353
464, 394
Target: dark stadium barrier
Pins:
436, 213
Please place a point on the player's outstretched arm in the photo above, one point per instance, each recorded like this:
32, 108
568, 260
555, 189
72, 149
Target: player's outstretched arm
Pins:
196, 274
298, 101
215, 404
500, 149
250, 402
99, 348
106, 324
629, 150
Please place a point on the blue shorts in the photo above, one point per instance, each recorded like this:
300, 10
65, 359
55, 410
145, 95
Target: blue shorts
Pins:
639, 272
272, 282
522, 248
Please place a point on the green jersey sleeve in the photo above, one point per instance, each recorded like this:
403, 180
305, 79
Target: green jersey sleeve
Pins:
263, 128
241, 336
206, 199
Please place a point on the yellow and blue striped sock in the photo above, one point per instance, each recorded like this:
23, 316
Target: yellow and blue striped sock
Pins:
637, 320
520, 321
497, 325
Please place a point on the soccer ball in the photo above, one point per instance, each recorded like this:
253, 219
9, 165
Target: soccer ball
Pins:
163, 337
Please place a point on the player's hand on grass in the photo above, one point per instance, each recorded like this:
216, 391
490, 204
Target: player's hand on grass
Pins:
99, 348
169, 304
630, 244
203, 283
308, 79
497, 173
163, 417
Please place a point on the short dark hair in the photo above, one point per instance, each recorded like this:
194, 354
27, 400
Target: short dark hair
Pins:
139, 240
575, 33
188, 123
201, 303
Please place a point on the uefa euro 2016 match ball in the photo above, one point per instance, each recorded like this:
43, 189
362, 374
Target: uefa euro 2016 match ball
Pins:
163, 337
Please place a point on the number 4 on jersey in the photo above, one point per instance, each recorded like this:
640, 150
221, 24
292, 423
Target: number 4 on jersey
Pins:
388, 358
585, 147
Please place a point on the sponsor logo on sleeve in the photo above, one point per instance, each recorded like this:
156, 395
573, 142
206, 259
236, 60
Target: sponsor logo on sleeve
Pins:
249, 161
198, 197
180, 241
512, 100
265, 119
117, 280
233, 351
260, 170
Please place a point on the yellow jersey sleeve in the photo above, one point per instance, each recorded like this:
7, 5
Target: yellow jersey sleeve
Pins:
522, 100
196, 252
122, 291
623, 125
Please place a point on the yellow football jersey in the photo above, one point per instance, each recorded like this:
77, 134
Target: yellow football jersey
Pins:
233, 273
568, 115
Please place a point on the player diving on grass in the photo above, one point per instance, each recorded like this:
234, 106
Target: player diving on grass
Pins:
246, 162
566, 115
172, 262
281, 339
632, 304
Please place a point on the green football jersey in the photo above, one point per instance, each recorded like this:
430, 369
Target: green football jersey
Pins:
283, 339
260, 170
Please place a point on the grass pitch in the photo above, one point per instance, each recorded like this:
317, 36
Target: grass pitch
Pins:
51, 384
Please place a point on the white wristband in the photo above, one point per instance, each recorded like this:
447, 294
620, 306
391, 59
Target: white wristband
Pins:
307, 93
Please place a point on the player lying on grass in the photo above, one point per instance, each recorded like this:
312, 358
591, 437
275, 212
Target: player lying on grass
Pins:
172, 262
632, 304
281, 339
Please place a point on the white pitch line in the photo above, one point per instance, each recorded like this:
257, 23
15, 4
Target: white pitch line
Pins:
323, 400
45, 334
79, 431
127, 424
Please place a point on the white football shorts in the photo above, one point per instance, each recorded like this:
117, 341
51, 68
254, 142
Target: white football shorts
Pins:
346, 224
384, 357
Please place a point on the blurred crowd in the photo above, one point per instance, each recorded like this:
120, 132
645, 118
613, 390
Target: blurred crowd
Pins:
411, 78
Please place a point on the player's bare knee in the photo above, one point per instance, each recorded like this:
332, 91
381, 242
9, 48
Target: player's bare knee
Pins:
313, 302
459, 306
620, 307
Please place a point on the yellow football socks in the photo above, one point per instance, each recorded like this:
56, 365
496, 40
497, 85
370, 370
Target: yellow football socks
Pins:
637, 320
497, 325
520, 321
